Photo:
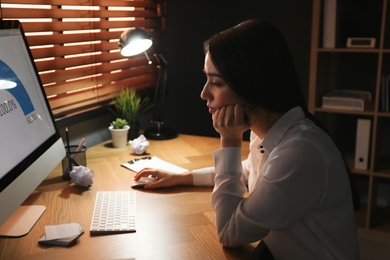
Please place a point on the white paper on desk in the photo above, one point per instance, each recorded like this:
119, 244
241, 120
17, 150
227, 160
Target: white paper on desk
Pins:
154, 162
63, 231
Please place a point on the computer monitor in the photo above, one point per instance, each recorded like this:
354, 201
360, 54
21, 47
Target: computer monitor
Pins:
31, 146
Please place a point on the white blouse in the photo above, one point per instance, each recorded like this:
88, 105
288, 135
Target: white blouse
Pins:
299, 199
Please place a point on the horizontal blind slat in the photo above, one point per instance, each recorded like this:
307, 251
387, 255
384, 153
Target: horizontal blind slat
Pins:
58, 38
56, 26
60, 13
105, 3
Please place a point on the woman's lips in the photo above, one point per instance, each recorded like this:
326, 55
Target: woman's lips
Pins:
212, 110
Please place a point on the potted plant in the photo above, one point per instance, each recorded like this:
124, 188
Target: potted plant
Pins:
119, 131
129, 106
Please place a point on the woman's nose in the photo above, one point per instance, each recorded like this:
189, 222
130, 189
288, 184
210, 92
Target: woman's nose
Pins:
204, 92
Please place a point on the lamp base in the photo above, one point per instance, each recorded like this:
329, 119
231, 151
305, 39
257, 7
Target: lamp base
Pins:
161, 133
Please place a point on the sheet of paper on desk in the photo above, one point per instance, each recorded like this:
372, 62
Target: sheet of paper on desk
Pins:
61, 235
153, 162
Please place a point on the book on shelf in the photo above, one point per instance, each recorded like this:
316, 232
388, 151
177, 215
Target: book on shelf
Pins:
385, 93
329, 24
362, 143
347, 99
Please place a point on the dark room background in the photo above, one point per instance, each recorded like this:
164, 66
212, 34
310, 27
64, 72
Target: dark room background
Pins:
189, 23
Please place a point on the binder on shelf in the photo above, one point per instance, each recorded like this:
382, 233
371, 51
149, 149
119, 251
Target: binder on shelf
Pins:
385, 95
329, 24
362, 143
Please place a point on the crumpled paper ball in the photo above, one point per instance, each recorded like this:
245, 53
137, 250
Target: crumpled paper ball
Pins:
81, 176
139, 145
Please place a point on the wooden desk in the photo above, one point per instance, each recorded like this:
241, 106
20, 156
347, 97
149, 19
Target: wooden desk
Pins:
172, 223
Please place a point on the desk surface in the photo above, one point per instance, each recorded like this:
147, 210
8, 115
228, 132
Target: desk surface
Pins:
172, 223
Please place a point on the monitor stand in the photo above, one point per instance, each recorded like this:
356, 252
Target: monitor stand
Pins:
21, 221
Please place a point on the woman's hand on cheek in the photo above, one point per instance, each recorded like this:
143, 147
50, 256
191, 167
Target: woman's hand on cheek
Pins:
230, 122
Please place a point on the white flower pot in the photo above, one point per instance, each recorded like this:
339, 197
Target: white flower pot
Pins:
119, 136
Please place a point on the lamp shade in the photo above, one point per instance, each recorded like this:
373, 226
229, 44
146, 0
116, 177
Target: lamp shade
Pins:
134, 41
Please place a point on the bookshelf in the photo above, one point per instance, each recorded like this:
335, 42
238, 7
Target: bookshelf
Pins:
339, 67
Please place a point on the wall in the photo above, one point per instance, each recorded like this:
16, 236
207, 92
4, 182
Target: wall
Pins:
189, 23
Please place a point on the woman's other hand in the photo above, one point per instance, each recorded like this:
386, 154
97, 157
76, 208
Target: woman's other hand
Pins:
164, 178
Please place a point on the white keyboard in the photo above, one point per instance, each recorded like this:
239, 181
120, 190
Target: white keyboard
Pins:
114, 212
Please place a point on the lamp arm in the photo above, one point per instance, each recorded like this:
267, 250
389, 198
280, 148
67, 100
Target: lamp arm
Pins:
159, 97
160, 132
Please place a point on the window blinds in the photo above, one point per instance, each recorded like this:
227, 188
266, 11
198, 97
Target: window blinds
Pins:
75, 47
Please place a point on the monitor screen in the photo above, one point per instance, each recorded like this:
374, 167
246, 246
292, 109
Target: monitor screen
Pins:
30, 143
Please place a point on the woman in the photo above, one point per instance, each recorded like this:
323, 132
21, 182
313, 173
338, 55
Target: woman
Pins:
299, 201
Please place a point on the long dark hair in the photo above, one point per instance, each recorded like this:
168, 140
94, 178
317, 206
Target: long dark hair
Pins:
254, 60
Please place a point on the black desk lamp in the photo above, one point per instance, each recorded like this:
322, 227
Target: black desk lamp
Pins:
136, 41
